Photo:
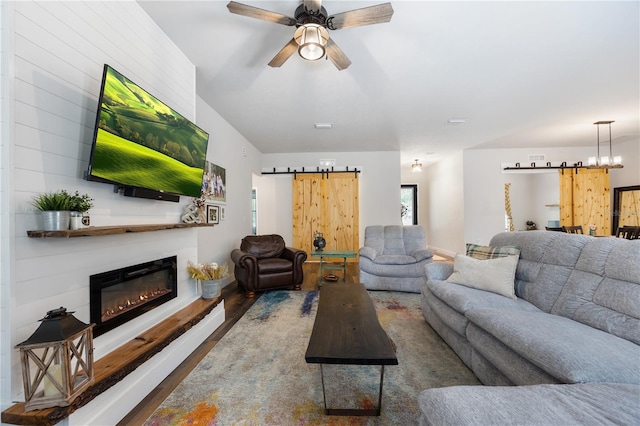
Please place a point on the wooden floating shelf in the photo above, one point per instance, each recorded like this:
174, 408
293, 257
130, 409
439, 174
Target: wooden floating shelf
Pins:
94, 231
116, 365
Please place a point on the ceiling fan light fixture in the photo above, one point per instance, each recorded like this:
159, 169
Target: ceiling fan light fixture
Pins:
311, 39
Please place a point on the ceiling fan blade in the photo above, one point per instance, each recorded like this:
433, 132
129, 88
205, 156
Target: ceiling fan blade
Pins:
284, 54
255, 12
312, 5
337, 56
359, 17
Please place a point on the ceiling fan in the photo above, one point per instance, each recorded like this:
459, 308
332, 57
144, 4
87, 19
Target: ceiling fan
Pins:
311, 38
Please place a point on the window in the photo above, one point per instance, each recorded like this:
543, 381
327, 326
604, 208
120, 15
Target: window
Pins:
409, 204
254, 212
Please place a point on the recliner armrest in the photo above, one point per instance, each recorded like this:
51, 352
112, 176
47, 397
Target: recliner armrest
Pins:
294, 254
368, 252
438, 270
422, 254
242, 258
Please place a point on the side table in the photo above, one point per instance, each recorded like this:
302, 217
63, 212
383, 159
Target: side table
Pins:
333, 254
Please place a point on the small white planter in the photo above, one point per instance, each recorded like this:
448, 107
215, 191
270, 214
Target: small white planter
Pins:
53, 220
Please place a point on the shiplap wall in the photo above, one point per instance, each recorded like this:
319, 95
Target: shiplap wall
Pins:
4, 215
58, 56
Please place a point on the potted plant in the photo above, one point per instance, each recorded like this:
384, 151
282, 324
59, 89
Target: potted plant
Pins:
210, 276
80, 204
54, 208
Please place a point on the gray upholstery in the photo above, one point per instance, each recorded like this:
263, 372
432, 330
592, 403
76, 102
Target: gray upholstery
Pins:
393, 258
581, 404
576, 320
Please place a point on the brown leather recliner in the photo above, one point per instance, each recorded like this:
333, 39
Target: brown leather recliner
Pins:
264, 262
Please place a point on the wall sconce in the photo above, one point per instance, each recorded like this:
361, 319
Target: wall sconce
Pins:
605, 161
57, 361
311, 38
416, 167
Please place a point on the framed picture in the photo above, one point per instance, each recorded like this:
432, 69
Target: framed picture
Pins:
221, 212
213, 214
214, 183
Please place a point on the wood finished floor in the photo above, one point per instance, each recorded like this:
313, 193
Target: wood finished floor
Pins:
235, 305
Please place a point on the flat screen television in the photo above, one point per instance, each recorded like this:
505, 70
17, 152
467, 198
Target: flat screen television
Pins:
142, 145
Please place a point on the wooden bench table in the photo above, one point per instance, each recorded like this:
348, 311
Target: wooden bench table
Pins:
347, 331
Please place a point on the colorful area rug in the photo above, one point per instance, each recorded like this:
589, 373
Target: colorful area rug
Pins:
257, 374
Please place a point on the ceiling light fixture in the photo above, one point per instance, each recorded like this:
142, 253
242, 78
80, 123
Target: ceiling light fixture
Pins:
416, 167
456, 121
311, 38
321, 126
605, 161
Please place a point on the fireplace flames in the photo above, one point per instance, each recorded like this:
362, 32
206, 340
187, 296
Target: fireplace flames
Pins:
125, 303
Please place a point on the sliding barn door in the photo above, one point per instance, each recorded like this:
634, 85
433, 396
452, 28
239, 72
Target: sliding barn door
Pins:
585, 199
328, 205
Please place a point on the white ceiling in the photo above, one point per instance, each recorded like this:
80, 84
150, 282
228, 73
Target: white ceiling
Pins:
523, 74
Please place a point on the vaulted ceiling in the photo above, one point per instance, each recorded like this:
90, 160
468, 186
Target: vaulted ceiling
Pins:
521, 74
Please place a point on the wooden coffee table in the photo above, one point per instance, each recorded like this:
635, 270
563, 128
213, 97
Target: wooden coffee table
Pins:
346, 331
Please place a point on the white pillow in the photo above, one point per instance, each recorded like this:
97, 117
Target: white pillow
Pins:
494, 275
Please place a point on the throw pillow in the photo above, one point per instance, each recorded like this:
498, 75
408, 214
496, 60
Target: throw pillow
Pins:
494, 275
487, 252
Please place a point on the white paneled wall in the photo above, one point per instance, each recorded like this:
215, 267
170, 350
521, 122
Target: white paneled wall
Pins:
58, 53
4, 212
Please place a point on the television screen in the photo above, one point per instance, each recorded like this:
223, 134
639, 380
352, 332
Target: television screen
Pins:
141, 142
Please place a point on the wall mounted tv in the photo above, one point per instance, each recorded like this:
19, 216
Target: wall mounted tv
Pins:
143, 146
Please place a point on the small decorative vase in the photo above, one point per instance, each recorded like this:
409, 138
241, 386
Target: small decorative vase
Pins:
211, 288
54, 220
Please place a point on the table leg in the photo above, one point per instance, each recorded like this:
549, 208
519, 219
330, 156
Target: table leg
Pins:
353, 411
344, 270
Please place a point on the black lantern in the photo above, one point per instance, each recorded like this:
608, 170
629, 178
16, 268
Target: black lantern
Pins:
57, 361
318, 241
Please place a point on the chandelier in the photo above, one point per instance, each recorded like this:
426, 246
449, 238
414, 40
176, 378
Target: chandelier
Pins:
605, 161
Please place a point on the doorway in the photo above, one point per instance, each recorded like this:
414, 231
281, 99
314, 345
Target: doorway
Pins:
409, 204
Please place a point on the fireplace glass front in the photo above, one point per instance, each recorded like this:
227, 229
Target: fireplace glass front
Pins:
120, 295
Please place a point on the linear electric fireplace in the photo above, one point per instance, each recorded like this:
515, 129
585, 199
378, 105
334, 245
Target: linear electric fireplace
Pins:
120, 295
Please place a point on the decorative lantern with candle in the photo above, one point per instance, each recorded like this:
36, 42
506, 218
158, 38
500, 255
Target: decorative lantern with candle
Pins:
57, 361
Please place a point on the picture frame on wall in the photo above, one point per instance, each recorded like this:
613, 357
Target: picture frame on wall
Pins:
222, 212
214, 183
213, 214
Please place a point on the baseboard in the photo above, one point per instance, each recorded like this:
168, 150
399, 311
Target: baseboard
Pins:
115, 403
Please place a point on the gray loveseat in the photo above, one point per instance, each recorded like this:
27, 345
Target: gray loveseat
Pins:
393, 258
570, 339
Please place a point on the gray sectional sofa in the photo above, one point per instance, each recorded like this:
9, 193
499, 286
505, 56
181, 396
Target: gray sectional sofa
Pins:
570, 340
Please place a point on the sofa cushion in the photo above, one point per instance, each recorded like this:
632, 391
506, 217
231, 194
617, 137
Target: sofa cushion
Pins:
604, 289
494, 275
408, 270
263, 246
546, 262
487, 252
581, 404
566, 349
462, 298
395, 239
